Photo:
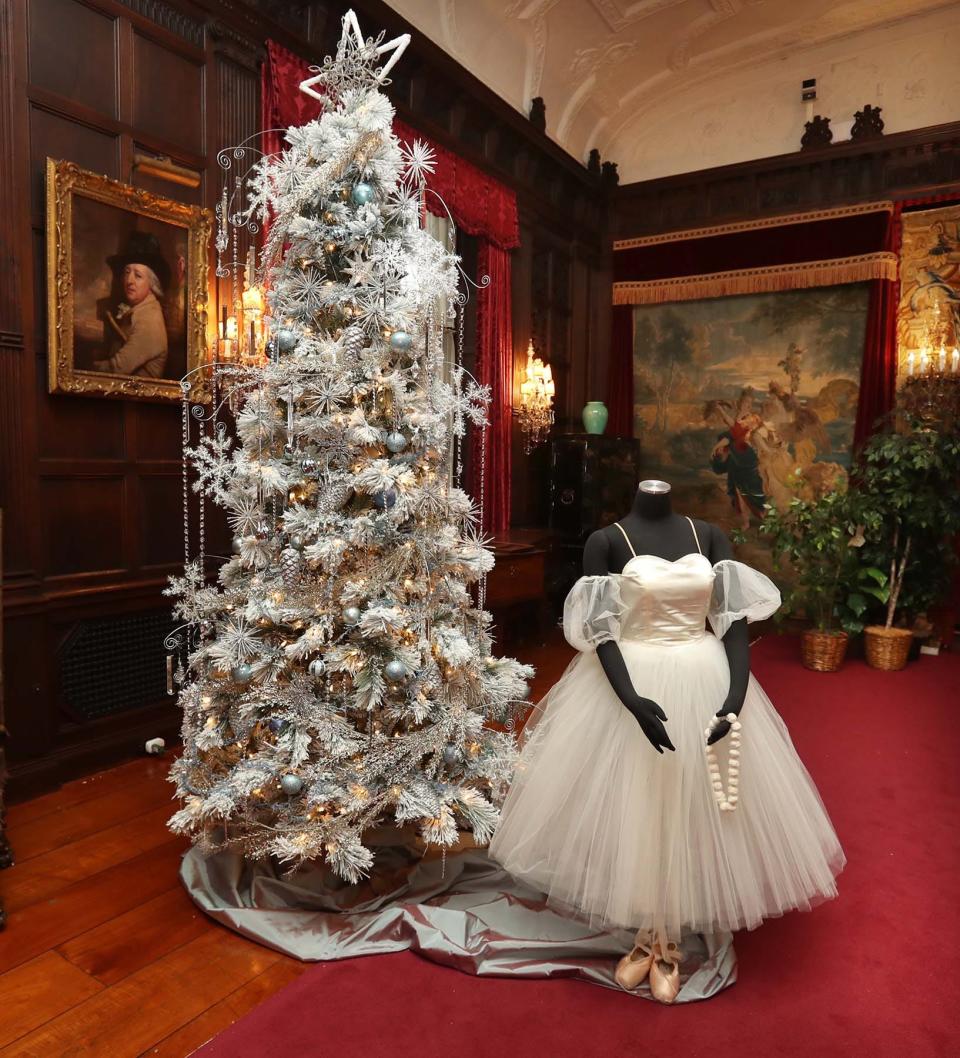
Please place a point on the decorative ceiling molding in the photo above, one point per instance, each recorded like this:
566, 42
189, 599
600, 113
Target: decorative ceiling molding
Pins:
721, 10
613, 13
612, 71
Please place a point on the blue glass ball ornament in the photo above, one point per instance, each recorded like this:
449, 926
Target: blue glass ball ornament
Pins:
286, 340
395, 670
384, 499
317, 667
401, 341
396, 441
241, 673
351, 614
362, 193
291, 784
450, 754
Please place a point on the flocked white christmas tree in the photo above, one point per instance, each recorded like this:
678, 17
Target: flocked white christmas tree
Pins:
340, 671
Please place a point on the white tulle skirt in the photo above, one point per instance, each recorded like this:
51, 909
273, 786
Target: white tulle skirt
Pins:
625, 837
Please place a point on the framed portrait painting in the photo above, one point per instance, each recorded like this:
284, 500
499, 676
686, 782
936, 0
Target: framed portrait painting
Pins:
126, 287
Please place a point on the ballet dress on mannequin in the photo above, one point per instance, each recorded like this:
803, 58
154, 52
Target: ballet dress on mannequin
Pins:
615, 812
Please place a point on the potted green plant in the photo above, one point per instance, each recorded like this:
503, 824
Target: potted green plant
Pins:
907, 480
816, 544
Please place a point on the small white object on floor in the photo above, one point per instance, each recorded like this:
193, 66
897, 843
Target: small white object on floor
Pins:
154, 746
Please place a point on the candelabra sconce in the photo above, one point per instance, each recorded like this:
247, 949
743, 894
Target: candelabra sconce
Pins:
535, 409
241, 336
931, 390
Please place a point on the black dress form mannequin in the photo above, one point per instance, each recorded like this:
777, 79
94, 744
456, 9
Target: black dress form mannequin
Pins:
654, 529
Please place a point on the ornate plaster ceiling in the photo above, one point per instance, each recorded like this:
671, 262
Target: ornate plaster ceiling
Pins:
623, 75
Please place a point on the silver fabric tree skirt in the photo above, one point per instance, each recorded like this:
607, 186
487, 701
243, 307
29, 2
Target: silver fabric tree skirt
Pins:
466, 912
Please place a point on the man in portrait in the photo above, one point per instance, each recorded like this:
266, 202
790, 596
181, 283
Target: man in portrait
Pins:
136, 332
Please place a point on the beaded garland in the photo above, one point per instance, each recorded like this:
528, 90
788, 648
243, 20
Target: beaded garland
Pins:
727, 799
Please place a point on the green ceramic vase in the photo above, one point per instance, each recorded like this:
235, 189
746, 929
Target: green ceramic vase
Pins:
595, 416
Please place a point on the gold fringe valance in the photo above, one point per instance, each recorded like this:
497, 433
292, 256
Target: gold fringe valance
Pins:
758, 280
733, 227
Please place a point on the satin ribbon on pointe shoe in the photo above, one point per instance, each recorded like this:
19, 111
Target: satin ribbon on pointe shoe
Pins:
664, 972
633, 968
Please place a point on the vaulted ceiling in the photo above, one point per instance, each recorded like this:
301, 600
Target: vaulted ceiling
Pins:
621, 74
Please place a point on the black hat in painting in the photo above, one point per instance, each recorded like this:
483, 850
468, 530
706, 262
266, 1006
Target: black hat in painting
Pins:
142, 248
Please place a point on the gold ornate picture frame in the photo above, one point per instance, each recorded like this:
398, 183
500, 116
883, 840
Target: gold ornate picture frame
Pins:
126, 288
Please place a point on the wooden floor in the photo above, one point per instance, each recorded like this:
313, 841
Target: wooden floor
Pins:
104, 953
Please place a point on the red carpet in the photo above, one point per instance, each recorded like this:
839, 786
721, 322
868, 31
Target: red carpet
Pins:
869, 974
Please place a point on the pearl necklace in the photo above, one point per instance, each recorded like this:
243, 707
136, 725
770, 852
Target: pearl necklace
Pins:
726, 800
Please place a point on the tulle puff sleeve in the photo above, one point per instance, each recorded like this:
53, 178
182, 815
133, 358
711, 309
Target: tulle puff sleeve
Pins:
739, 591
592, 612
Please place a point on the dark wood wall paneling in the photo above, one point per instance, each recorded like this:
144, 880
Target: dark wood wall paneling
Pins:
896, 166
91, 487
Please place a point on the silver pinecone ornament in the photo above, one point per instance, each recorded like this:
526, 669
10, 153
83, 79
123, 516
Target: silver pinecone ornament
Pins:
353, 340
290, 568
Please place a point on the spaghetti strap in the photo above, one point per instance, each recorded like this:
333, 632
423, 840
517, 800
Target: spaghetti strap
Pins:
627, 538
695, 537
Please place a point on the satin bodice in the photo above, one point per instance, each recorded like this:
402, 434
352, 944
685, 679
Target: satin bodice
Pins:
665, 602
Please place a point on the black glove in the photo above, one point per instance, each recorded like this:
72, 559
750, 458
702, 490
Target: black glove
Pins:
650, 717
723, 728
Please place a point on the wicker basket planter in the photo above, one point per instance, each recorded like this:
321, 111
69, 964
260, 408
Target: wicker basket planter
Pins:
887, 648
823, 651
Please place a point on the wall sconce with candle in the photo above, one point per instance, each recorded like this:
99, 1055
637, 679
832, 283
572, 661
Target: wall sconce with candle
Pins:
931, 390
242, 334
535, 408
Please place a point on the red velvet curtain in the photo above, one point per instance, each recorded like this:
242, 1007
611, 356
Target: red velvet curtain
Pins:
495, 369
878, 371
480, 206
620, 374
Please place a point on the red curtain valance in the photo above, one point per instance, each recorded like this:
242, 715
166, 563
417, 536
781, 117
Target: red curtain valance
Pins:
802, 250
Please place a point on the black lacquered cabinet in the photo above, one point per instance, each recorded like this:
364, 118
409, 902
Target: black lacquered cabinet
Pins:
593, 480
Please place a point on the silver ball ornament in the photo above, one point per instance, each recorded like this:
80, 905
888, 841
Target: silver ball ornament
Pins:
286, 340
396, 441
317, 668
362, 193
291, 784
401, 341
395, 670
241, 673
351, 614
237, 545
297, 542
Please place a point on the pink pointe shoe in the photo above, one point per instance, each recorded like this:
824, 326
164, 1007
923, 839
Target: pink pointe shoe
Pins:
665, 974
633, 968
